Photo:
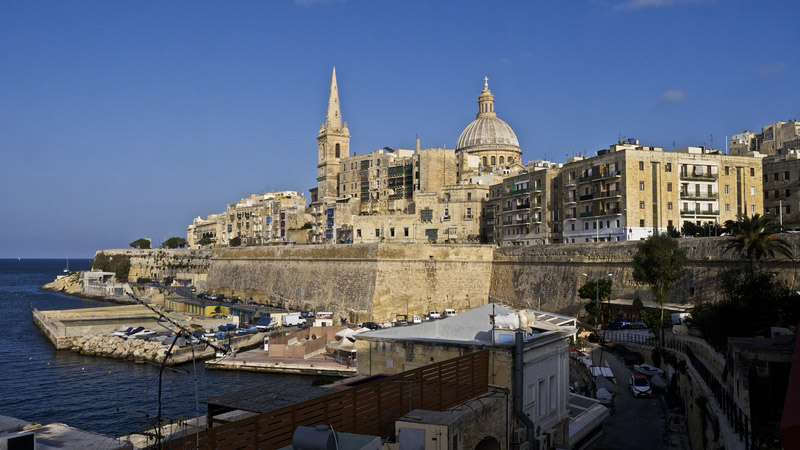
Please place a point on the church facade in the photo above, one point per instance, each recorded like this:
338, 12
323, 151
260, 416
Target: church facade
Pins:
403, 195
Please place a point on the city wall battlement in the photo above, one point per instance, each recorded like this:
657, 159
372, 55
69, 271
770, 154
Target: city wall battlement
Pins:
379, 281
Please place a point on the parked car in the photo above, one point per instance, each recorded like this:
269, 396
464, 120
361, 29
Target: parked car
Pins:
449, 312
371, 325
434, 315
292, 319
638, 324
416, 319
640, 387
618, 324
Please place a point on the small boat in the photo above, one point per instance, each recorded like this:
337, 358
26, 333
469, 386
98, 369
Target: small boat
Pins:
122, 332
145, 333
647, 369
66, 269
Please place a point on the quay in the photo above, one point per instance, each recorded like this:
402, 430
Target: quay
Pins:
23, 434
259, 361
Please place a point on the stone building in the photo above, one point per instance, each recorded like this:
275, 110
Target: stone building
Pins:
782, 187
421, 195
626, 192
259, 219
775, 139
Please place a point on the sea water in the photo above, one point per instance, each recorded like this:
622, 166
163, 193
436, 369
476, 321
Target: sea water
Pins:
113, 397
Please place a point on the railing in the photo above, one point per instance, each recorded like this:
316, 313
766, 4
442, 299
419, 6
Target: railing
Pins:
586, 197
737, 418
698, 176
609, 212
371, 408
698, 195
587, 214
692, 212
519, 191
611, 193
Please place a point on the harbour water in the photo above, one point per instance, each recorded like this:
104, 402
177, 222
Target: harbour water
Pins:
102, 395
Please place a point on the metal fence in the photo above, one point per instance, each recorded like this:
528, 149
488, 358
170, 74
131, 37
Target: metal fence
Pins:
370, 408
737, 418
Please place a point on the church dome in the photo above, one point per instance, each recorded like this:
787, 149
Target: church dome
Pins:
487, 131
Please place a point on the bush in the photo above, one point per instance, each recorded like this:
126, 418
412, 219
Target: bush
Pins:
235, 242
141, 243
119, 264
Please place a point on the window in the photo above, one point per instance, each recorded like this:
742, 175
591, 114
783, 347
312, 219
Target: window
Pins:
501, 160
752, 208
641, 205
641, 223
493, 160
727, 207
337, 150
641, 185
469, 196
617, 223
727, 170
641, 165
788, 193
752, 171
788, 209
391, 232
573, 227
727, 189
775, 176
668, 167
669, 205
377, 232
752, 190
669, 186
484, 161
786, 176
586, 226
669, 223
358, 232
405, 231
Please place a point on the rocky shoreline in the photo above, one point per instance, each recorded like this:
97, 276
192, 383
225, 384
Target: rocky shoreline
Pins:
71, 284
118, 348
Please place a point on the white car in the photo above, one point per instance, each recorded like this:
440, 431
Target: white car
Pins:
640, 387
449, 312
434, 315
416, 319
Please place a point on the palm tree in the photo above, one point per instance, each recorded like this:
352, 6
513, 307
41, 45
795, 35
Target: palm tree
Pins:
754, 238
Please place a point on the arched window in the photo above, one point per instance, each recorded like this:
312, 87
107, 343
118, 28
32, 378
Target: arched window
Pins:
511, 160
484, 161
501, 160
337, 150
493, 161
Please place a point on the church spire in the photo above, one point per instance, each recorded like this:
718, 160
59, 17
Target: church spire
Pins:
333, 120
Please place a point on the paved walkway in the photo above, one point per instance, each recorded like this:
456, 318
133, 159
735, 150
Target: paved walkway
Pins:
635, 423
259, 361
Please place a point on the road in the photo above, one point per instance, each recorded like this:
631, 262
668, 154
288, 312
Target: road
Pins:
635, 423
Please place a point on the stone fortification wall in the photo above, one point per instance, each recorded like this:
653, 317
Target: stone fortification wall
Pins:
552, 274
158, 264
361, 281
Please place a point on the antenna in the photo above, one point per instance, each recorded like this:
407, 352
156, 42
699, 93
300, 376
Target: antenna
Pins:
712, 140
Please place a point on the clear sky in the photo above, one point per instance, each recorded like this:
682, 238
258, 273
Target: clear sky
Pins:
121, 120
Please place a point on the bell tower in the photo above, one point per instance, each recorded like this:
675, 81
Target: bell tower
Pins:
333, 143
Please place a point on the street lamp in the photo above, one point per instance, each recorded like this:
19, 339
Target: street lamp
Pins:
597, 297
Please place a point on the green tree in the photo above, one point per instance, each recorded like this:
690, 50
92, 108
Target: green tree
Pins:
235, 242
755, 238
205, 240
673, 232
174, 242
593, 290
141, 243
119, 264
659, 262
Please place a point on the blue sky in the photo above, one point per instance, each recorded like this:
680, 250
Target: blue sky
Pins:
123, 120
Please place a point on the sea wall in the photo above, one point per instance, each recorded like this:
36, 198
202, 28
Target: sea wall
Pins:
361, 281
158, 264
548, 277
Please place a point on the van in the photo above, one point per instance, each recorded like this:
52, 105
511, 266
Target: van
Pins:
416, 319
449, 312
292, 319
434, 315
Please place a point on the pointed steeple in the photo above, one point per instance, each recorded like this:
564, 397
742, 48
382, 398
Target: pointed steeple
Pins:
333, 120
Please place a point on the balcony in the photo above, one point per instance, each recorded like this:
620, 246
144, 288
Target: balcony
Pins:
612, 193
571, 217
570, 200
587, 214
507, 208
699, 213
611, 174
586, 197
515, 191
699, 176
699, 195
609, 212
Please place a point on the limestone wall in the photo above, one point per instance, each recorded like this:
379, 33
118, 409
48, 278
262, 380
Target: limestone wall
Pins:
361, 281
158, 264
552, 274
